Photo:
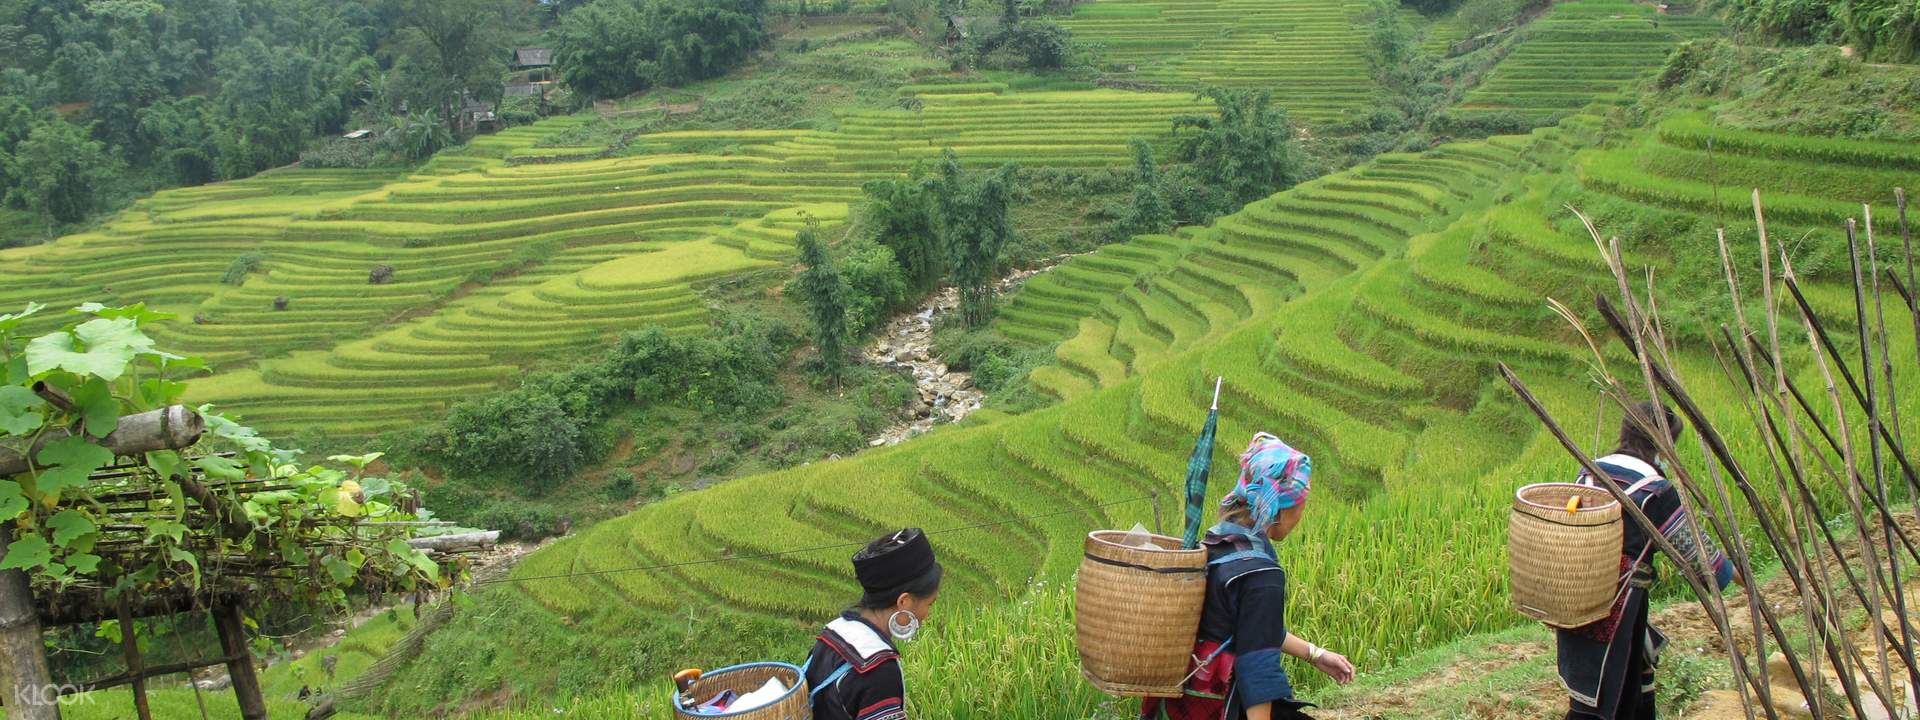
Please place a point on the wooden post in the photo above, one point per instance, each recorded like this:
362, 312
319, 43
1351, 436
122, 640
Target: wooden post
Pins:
169, 428
136, 669
233, 643
28, 688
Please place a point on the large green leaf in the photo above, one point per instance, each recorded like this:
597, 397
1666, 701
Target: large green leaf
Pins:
69, 525
10, 321
101, 348
27, 553
12, 503
137, 312
101, 411
68, 462
20, 410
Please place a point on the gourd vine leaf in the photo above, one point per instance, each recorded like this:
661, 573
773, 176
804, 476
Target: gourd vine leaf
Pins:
166, 464
220, 468
21, 411
15, 370
165, 528
70, 525
160, 392
12, 503
12, 320
84, 563
67, 462
137, 312
97, 406
101, 348
337, 569
26, 553
180, 554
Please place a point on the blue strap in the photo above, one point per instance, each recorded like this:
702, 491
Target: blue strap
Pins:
838, 673
1241, 555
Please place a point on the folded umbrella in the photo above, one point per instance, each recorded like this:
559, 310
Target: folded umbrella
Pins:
1199, 465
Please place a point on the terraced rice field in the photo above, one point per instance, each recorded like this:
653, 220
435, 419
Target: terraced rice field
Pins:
1308, 52
498, 264
1581, 50
1359, 316
1163, 313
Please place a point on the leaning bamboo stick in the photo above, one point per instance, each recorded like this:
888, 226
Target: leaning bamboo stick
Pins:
1692, 575
1722, 454
1852, 482
1815, 699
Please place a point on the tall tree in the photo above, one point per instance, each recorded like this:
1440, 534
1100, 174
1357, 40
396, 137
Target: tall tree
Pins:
1149, 212
901, 211
59, 172
1243, 152
975, 228
825, 292
614, 47
451, 50
605, 49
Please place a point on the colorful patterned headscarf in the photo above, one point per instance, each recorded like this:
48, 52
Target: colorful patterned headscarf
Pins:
1273, 477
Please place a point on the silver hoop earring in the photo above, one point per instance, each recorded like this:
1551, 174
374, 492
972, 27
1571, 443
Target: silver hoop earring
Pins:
903, 631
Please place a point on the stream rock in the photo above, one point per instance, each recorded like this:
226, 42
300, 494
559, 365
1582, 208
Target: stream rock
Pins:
906, 344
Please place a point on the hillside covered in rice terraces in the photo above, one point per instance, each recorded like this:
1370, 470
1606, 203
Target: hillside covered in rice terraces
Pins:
688, 327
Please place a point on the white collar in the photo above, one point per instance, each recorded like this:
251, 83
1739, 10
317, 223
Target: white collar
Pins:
1631, 463
861, 637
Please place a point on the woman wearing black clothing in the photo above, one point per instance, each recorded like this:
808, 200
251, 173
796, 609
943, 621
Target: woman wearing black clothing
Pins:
1243, 626
1607, 667
854, 669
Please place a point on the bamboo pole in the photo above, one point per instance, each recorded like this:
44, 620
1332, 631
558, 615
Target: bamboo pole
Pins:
136, 670
1790, 453
168, 428
28, 691
233, 644
1898, 443
1692, 575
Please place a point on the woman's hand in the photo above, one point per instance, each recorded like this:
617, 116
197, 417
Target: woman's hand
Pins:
1335, 665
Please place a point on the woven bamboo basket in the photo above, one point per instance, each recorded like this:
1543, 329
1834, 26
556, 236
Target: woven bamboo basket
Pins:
1137, 611
747, 678
1564, 567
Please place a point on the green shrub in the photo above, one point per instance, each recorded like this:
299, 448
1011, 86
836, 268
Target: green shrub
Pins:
240, 268
339, 153
622, 485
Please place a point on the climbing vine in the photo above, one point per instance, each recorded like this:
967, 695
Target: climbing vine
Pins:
232, 513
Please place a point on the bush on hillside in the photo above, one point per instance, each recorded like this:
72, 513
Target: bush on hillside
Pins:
611, 48
551, 426
238, 270
1806, 91
1888, 29
1245, 152
339, 153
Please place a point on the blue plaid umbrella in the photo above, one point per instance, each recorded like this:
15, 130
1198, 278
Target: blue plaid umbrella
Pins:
1199, 465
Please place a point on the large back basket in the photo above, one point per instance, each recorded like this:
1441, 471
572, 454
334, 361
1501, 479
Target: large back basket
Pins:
746, 678
1564, 566
1137, 610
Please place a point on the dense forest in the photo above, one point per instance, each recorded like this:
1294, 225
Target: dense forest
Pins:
112, 97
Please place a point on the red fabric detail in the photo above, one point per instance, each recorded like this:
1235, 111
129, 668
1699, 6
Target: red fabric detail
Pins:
1604, 628
1206, 690
882, 705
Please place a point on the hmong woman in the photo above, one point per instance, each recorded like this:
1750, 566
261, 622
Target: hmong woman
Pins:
1607, 667
1243, 628
854, 670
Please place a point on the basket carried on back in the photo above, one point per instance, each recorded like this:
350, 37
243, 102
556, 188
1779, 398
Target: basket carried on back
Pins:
1137, 611
1564, 566
746, 678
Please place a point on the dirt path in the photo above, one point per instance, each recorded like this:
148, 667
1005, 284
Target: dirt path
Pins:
1689, 630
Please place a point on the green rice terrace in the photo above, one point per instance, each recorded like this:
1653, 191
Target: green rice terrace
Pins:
1359, 313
